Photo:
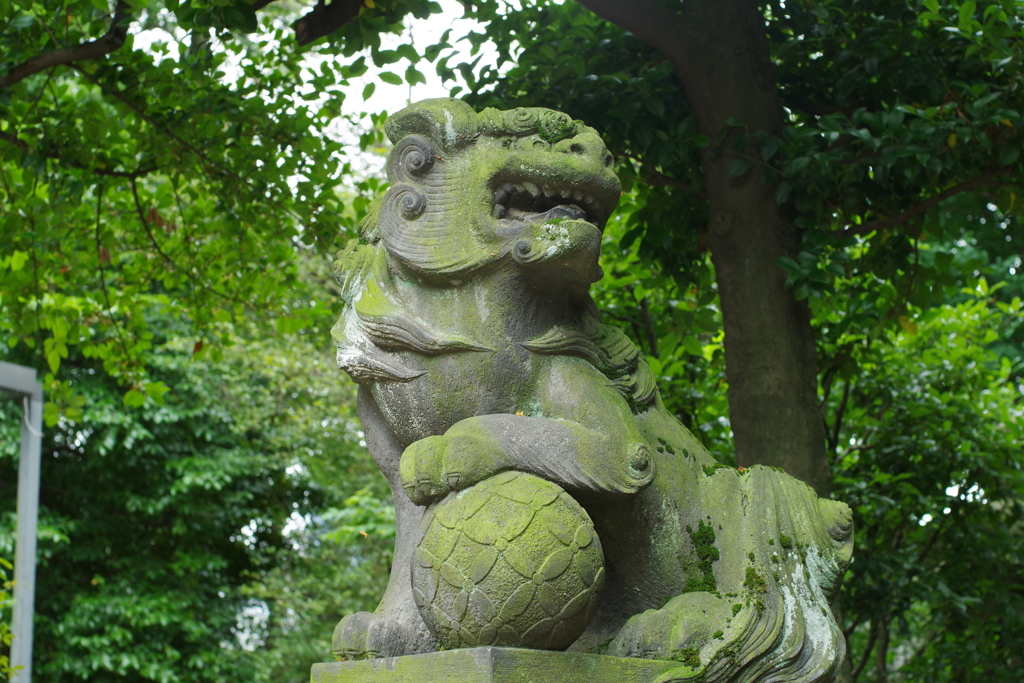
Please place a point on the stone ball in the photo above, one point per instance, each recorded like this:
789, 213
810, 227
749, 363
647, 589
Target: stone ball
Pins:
513, 561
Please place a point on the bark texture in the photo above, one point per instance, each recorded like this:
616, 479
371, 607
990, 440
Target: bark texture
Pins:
720, 53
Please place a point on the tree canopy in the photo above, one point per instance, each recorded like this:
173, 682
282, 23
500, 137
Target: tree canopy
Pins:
820, 200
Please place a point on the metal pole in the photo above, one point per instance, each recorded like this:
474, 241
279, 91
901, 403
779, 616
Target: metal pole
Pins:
21, 380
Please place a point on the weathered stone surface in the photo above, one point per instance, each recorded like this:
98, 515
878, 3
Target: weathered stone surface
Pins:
493, 665
483, 365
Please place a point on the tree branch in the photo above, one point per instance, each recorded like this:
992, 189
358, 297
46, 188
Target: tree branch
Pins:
921, 208
837, 424
145, 223
13, 140
652, 338
655, 177
652, 23
325, 19
137, 173
110, 41
872, 636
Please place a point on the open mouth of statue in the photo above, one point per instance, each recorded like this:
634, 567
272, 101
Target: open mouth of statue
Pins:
527, 202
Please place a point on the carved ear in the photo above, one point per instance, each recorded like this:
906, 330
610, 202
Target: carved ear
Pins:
448, 123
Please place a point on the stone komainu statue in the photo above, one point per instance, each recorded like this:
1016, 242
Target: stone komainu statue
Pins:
544, 496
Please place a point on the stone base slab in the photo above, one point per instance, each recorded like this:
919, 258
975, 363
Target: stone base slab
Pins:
493, 665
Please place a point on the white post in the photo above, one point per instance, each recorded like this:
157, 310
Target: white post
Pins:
21, 381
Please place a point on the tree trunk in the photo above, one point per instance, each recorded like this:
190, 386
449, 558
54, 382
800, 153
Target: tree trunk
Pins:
721, 55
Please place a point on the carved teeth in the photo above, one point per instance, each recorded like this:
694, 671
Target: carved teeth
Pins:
526, 200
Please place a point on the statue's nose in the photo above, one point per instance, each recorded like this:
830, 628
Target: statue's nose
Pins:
587, 144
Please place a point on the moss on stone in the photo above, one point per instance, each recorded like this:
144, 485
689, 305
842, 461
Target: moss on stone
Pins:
736, 608
704, 546
785, 541
755, 582
690, 656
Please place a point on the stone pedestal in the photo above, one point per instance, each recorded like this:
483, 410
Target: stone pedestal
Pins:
493, 665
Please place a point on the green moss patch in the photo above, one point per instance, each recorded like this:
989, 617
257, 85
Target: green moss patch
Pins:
704, 545
690, 656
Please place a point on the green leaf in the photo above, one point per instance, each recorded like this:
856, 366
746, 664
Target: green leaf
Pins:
965, 15
18, 259
388, 77
156, 390
692, 345
22, 21
789, 264
413, 76
739, 167
783, 191
51, 413
134, 398
242, 17
1009, 153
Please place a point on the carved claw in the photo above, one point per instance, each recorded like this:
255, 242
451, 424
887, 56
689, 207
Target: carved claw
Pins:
365, 636
437, 465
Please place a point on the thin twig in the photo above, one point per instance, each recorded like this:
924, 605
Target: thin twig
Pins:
872, 636
103, 274
922, 207
655, 177
138, 173
652, 338
145, 223
837, 423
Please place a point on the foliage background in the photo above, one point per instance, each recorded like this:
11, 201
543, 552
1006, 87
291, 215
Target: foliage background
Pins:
168, 216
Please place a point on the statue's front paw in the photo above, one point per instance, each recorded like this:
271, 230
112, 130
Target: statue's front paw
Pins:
690, 629
421, 470
435, 466
365, 636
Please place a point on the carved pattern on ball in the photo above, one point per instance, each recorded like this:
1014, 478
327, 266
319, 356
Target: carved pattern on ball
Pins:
513, 561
